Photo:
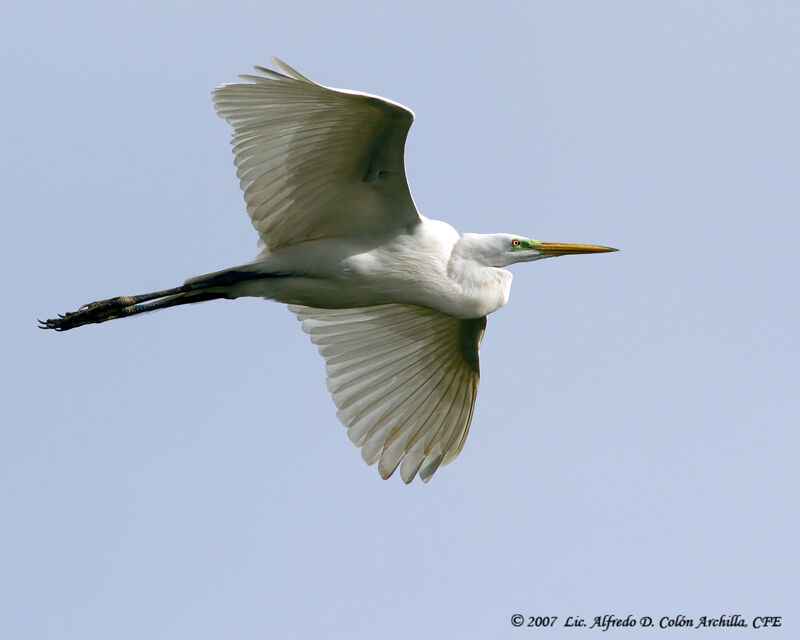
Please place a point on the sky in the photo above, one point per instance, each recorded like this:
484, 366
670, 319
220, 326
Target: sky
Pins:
634, 445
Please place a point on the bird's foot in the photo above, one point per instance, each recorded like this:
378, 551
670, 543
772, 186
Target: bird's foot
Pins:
93, 312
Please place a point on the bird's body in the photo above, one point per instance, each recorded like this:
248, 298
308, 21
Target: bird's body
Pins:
396, 302
424, 264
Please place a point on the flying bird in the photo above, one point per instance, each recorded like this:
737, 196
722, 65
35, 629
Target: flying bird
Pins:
396, 302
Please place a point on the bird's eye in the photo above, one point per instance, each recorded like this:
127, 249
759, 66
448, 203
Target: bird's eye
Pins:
515, 243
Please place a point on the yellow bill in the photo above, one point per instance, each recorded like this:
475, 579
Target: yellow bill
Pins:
565, 249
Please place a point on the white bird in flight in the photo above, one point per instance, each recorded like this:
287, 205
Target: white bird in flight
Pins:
396, 302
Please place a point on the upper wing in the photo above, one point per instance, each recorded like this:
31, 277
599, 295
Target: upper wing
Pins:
316, 162
404, 379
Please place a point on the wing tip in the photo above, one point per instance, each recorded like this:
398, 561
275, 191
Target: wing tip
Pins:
426, 472
284, 72
287, 71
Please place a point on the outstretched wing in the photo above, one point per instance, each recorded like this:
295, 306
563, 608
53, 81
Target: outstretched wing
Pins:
404, 379
316, 162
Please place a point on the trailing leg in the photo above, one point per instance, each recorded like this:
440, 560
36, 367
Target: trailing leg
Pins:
200, 289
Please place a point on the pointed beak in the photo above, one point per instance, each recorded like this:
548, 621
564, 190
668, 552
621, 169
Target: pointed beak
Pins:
564, 249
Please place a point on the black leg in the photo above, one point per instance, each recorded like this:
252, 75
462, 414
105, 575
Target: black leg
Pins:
199, 289
119, 307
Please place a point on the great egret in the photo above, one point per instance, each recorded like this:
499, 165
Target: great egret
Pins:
396, 302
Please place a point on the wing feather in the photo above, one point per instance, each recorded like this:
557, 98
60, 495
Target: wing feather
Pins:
404, 379
315, 162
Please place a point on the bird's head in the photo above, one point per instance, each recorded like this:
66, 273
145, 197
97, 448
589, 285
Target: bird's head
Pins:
503, 249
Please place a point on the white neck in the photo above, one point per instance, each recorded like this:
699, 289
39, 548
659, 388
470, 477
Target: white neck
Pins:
484, 288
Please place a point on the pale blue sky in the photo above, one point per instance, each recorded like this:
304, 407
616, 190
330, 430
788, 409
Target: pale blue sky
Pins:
634, 446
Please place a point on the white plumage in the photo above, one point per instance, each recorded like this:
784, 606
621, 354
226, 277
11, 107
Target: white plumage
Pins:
396, 303
316, 163
404, 379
